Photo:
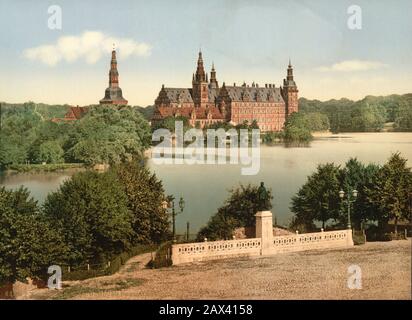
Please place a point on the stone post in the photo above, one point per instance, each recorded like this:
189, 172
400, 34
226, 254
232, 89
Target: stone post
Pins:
264, 230
349, 238
175, 255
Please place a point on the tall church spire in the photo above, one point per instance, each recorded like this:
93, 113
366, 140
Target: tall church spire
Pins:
290, 91
113, 73
200, 85
289, 76
200, 71
113, 94
213, 80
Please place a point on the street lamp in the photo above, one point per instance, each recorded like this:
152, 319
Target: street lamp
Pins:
349, 201
170, 203
181, 204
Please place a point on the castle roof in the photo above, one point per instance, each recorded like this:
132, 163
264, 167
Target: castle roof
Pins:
255, 94
236, 93
75, 113
176, 95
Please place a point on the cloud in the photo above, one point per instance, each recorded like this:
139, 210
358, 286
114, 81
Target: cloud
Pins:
90, 46
353, 65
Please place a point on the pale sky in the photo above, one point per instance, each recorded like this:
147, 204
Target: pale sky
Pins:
158, 42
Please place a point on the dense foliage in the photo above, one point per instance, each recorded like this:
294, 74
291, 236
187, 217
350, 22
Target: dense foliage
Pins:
108, 135
144, 192
91, 219
366, 115
90, 210
238, 211
383, 194
28, 244
104, 135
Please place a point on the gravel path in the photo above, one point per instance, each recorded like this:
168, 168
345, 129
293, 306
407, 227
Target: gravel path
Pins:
385, 266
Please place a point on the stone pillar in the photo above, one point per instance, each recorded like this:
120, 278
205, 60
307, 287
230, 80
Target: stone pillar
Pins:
349, 238
264, 230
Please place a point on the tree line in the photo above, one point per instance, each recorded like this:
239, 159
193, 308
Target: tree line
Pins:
367, 115
104, 135
384, 194
90, 219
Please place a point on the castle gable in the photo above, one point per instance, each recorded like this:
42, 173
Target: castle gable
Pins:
178, 95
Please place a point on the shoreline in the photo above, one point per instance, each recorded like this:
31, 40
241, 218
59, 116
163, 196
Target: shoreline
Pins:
40, 168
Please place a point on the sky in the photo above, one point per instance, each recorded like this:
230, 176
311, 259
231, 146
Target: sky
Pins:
158, 43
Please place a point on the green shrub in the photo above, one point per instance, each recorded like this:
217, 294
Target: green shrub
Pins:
397, 236
115, 264
377, 234
359, 238
163, 257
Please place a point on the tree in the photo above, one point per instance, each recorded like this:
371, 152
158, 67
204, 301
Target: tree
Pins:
318, 198
356, 175
90, 211
50, 152
169, 123
238, 211
403, 114
297, 128
391, 191
317, 121
28, 244
109, 135
145, 195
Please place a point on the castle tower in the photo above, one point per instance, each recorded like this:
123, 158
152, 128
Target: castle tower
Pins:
290, 92
213, 82
200, 84
113, 94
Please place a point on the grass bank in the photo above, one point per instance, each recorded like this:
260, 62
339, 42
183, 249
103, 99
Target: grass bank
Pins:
38, 168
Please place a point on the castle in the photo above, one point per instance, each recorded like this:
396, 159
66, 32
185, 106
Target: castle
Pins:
206, 103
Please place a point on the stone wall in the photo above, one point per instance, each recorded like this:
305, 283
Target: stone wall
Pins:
190, 252
264, 243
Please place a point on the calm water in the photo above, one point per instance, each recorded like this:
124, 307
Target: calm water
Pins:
205, 187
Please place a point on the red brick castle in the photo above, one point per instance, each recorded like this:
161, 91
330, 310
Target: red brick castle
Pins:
207, 103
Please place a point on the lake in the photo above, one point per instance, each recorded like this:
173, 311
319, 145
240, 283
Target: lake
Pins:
284, 169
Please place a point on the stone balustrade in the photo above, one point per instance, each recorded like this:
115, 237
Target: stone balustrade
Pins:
182, 253
309, 241
264, 244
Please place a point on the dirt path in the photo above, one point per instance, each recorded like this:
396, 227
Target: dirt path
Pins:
385, 267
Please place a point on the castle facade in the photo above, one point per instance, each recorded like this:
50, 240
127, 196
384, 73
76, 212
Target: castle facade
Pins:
206, 102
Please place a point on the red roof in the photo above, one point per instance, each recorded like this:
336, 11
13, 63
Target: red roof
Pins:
75, 113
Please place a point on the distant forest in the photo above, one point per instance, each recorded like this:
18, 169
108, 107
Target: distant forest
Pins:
367, 115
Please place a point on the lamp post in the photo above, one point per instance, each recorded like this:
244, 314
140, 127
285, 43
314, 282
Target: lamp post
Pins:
171, 205
349, 196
